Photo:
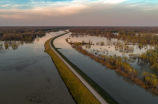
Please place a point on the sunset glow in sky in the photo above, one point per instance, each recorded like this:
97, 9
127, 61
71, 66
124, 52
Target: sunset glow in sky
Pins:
79, 12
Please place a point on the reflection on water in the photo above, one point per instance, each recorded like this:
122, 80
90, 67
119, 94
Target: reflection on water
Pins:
28, 75
15, 44
99, 46
120, 88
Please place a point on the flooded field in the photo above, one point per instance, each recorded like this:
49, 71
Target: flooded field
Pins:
120, 88
100, 46
28, 75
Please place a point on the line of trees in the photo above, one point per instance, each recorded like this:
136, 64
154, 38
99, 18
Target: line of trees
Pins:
15, 36
141, 35
150, 57
25, 33
26, 36
150, 79
105, 30
121, 66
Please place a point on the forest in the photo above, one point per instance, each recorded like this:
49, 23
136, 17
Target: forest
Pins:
105, 30
141, 35
25, 33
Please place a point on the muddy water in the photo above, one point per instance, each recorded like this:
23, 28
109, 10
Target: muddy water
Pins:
28, 75
120, 88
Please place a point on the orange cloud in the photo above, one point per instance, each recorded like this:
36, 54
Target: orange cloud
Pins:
41, 11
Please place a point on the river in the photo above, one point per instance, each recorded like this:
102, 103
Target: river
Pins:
28, 75
120, 88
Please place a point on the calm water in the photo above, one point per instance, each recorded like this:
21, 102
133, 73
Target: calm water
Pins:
120, 88
111, 47
28, 75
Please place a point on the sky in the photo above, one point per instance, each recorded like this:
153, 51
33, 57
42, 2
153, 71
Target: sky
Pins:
78, 12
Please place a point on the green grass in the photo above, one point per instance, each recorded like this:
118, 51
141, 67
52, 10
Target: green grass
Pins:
79, 92
102, 92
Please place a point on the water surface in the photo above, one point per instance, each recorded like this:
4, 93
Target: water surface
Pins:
28, 75
116, 47
120, 88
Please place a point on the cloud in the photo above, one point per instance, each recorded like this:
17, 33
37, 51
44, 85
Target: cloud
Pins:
113, 1
47, 9
6, 5
81, 12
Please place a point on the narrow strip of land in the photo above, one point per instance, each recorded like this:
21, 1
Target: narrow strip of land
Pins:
79, 92
80, 78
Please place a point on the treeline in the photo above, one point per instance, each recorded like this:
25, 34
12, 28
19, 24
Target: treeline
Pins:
25, 33
26, 36
121, 66
141, 39
141, 35
150, 79
150, 57
105, 30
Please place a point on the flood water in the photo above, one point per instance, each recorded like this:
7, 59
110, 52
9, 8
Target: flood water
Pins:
28, 75
115, 47
120, 88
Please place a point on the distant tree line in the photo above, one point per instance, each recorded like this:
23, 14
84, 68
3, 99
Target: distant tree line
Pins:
140, 35
105, 30
26, 33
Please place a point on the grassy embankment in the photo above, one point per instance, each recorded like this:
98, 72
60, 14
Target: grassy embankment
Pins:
79, 92
102, 92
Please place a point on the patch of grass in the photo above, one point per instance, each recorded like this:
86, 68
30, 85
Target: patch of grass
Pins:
79, 92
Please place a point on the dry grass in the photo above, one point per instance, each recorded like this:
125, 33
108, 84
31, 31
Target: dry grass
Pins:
79, 92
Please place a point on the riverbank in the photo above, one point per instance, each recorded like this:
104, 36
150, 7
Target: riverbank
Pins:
79, 92
123, 68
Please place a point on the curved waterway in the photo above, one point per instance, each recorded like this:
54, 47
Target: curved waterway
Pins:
28, 75
118, 87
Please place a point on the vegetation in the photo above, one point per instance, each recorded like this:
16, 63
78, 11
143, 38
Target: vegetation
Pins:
105, 31
122, 66
150, 79
27, 36
150, 57
107, 97
141, 35
25, 33
15, 36
79, 92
